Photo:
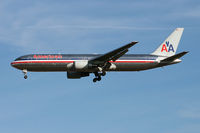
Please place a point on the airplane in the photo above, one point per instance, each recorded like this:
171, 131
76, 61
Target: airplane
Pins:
82, 65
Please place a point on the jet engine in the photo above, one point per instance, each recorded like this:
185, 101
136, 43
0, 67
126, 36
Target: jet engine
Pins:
80, 65
77, 75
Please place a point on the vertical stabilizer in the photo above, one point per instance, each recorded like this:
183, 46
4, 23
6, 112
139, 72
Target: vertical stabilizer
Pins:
170, 45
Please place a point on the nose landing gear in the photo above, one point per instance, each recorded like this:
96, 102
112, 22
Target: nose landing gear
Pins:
25, 73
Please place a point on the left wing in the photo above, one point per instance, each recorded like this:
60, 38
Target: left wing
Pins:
112, 56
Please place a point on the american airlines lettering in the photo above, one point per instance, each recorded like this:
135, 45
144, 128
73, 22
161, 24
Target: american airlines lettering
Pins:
47, 56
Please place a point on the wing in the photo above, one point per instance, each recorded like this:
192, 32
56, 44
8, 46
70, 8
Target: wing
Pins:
113, 55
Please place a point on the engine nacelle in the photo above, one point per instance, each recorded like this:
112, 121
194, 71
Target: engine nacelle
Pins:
77, 75
80, 65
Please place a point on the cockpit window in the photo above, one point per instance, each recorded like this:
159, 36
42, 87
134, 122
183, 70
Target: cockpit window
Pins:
18, 59
26, 57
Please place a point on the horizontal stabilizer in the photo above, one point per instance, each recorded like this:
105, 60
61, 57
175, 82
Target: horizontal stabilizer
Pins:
174, 57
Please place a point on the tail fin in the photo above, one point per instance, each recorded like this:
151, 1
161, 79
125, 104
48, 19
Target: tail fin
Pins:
169, 46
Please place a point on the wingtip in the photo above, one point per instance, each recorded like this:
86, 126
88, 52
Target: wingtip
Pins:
186, 52
134, 42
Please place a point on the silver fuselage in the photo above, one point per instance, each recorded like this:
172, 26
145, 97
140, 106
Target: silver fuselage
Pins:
59, 62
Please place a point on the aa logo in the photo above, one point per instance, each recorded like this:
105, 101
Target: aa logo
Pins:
167, 47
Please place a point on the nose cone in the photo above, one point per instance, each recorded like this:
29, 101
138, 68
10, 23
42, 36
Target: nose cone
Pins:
15, 65
12, 64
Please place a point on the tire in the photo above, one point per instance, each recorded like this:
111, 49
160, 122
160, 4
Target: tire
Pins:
103, 73
95, 80
25, 76
99, 78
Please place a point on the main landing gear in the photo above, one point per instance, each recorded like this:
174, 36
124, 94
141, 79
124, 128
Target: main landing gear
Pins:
25, 73
98, 76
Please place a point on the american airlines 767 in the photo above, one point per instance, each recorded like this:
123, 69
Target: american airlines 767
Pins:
82, 65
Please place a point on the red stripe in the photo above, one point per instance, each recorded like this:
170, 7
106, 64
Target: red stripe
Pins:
20, 62
60, 61
132, 61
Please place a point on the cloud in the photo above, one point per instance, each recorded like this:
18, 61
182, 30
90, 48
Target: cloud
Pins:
195, 12
40, 25
191, 113
186, 128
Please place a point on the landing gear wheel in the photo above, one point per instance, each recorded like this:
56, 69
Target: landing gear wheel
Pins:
95, 80
25, 73
103, 73
25, 76
99, 78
